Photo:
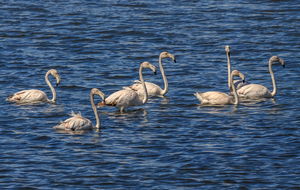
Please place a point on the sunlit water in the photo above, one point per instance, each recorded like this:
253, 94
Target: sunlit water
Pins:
170, 143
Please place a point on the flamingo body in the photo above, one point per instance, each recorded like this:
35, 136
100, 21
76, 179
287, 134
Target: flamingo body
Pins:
254, 91
152, 89
75, 123
28, 96
124, 99
214, 98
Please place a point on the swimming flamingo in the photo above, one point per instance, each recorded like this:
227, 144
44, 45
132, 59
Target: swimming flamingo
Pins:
257, 91
237, 83
219, 98
36, 96
154, 89
79, 123
127, 97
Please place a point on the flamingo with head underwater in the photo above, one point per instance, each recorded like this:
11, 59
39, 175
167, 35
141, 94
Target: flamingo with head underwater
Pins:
80, 123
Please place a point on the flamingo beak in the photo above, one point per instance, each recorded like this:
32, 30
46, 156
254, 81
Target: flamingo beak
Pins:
174, 60
155, 72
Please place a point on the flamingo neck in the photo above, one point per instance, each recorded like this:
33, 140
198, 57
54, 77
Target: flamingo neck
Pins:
95, 111
145, 98
166, 86
273, 93
235, 95
229, 69
53, 100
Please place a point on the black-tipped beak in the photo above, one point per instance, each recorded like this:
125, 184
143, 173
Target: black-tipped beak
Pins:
155, 72
174, 60
243, 81
283, 65
57, 84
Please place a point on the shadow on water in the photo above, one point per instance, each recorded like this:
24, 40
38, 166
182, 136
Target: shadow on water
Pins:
162, 100
217, 109
130, 115
70, 132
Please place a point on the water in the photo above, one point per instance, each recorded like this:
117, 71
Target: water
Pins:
170, 143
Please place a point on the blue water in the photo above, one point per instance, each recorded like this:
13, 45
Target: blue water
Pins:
169, 143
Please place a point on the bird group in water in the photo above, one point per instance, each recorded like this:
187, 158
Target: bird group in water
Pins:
138, 93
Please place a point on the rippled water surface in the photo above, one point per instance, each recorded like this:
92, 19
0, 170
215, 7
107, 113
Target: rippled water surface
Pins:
171, 142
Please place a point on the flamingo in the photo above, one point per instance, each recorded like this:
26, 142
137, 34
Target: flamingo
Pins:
78, 122
127, 97
34, 95
257, 91
237, 83
154, 89
220, 98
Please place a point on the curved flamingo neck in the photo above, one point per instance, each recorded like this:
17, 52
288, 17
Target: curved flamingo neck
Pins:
95, 110
53, 100
273, 93
145, 99
235, 95
166, 86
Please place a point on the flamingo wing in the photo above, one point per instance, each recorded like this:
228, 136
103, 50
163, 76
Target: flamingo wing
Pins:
152, 89
75, 123
123, 98
26, 96
213, 97
254, 91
